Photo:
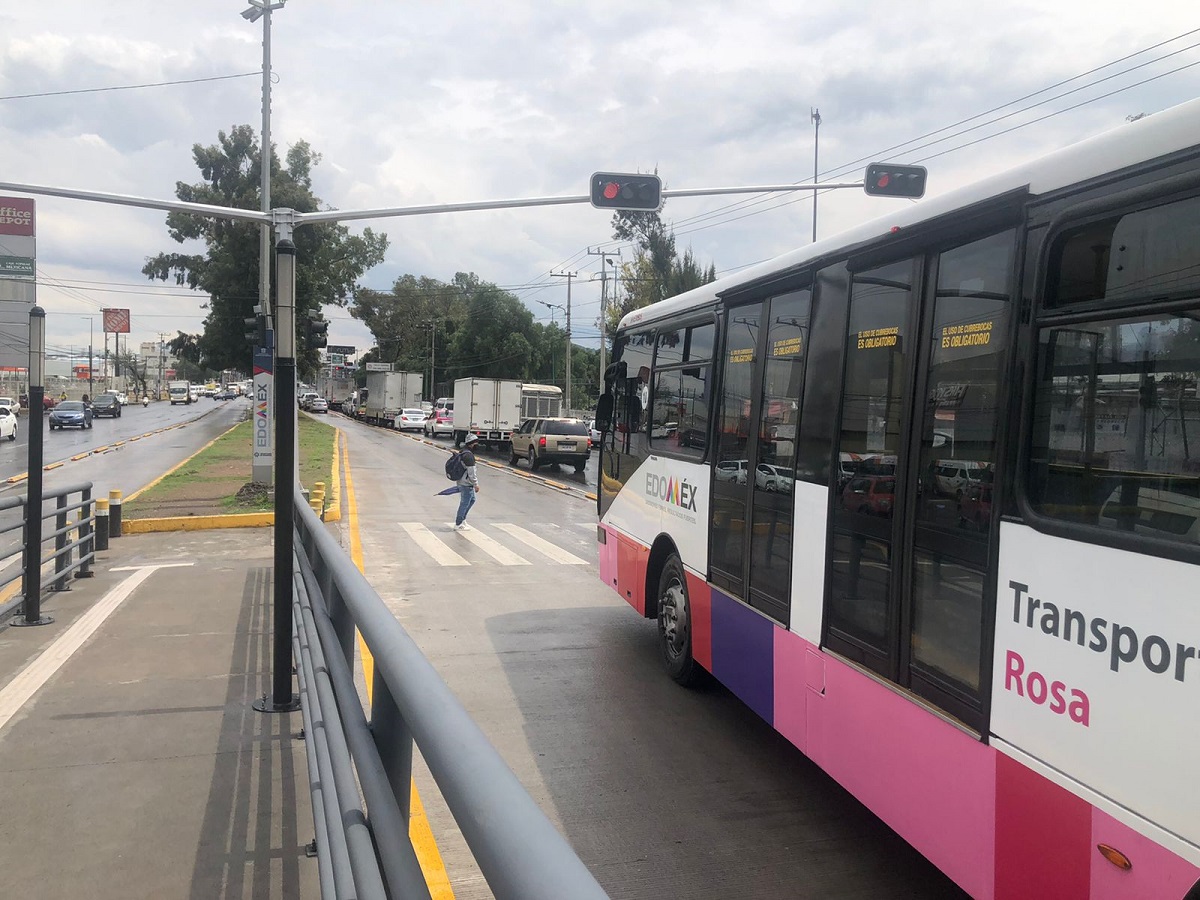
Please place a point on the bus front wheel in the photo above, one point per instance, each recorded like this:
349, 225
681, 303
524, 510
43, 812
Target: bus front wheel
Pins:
675, 625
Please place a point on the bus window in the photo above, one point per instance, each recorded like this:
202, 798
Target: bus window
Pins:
962, 410
1117, 425
873, 403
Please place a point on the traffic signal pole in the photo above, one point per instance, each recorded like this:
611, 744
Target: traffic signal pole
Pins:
882, 180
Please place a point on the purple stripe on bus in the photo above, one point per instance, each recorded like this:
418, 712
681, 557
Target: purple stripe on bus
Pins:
743, 653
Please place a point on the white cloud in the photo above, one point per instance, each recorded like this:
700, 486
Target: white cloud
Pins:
426, 102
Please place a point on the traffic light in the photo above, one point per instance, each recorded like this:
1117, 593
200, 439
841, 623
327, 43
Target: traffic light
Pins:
612, 190
316, 332
885, 180
256, 328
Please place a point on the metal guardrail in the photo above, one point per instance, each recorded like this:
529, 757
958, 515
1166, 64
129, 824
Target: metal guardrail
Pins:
73, 541
363, 849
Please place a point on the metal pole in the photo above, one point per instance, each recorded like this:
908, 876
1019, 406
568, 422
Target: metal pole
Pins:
264, 244
32, 581
91, 374
282, 699
816, 119
569, 276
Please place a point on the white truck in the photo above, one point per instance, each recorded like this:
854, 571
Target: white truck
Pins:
540, 401
489, 408
390, 392
179, 391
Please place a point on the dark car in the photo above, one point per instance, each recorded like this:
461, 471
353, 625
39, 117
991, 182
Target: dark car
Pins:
71, 412
106, 405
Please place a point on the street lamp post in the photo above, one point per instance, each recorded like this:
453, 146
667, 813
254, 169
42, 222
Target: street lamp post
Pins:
32, 579
91, 374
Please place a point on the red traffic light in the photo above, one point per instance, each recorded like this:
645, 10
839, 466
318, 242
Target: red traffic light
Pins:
887, 180
611, 190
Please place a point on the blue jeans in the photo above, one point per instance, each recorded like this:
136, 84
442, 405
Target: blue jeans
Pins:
466, 494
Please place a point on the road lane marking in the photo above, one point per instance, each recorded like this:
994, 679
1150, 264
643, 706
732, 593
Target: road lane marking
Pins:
432, 545
18, 691
542, 546
494, 549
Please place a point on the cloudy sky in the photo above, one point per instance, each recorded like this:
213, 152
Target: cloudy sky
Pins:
416, 103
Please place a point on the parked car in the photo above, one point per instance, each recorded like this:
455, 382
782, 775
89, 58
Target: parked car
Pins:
594, 433
106, 405
952, 477
441, 422
318, 405
545, 441
409, 420
871, 495
75, 413
11, 404
773, 478
732, 470
8, 422
975, 508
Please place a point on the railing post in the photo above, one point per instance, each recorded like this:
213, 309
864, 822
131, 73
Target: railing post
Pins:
61, 559
114, 515
87, 549
101, 523
394, 741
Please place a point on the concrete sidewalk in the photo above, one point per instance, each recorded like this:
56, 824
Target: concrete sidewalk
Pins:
139, 768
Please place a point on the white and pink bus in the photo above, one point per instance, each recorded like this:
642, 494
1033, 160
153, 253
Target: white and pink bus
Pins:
926, 497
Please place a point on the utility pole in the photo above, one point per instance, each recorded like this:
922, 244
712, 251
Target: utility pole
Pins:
815, 115
604, 255
162, 364
568, 276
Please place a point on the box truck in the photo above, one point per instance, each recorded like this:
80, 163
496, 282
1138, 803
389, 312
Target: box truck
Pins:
179, 391
489, 408
390, 392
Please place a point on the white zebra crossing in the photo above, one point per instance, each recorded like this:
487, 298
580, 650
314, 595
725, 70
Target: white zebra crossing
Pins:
439, 547
542, 546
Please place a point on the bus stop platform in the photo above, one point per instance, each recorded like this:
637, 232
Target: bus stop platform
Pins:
132, 761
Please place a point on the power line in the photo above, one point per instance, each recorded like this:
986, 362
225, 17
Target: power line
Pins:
130, 87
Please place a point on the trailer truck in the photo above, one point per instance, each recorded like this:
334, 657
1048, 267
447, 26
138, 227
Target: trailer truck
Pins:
489, 408
390, 392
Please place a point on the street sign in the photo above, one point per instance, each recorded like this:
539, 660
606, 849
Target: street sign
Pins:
336, 359
379, 367
16, 267
340, 348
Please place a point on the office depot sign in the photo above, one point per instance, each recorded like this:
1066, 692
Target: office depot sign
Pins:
17, 216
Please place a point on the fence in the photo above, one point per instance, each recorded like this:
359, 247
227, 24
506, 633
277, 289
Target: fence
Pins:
363, 850
73, 548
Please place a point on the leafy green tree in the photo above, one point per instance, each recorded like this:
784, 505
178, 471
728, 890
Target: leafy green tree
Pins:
329, 259
656, 271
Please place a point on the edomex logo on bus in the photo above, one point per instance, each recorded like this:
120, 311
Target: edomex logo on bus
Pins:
675, 491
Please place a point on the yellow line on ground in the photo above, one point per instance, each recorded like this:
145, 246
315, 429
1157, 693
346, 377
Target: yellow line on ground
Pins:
419, 831
333, 512
147, 487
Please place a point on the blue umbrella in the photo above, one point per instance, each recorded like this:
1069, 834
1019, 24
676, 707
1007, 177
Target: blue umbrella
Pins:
447, 492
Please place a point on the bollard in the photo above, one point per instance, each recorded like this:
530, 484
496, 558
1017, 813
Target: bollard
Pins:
101, 523
319, 486
316, 505
114, 514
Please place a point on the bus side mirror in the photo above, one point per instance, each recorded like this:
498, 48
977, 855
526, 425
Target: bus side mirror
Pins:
604, 413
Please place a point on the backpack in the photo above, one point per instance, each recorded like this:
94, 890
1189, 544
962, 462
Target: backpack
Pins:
455, 469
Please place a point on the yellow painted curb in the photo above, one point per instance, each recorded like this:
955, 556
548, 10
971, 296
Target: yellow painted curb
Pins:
197, 523
334, 512
17, 478
52, 466
81, 456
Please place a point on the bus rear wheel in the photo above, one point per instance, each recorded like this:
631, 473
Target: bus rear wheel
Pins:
675, 625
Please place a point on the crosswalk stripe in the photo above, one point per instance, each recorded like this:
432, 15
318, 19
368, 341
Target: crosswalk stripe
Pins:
432, 545
494, 548
542, 546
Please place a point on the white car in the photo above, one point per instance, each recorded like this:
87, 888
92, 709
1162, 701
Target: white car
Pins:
409, 420
8, 422
11, 404
773, 478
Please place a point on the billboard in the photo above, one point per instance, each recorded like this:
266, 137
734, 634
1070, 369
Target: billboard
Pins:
116, 321
18, 285
17, 216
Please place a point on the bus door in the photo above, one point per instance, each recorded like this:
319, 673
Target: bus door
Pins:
755, 460
912, 507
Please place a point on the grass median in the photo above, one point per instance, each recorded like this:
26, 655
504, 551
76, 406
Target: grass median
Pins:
216, 481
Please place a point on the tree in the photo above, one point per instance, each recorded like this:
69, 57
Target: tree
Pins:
329, 260
656, 271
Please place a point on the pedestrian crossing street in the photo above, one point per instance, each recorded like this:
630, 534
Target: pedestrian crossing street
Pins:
490, 543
